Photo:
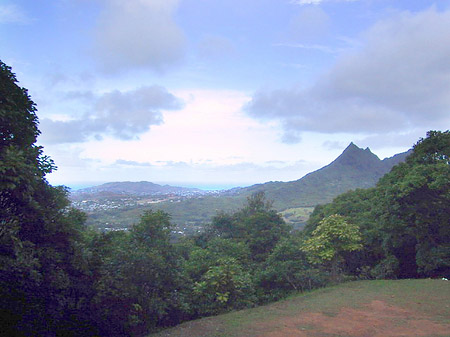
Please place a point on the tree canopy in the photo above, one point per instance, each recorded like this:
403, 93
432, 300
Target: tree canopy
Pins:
405, 219
331, 239
40, 258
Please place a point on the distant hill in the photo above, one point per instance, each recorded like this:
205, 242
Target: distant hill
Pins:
354, 168
141, 188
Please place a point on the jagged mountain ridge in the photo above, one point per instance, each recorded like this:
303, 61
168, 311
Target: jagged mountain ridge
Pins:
354, 168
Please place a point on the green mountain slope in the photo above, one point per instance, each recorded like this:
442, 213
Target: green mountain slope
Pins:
354, 168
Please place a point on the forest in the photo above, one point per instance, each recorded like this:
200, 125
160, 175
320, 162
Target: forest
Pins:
59, 277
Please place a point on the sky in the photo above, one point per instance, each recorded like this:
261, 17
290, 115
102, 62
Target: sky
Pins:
224, 93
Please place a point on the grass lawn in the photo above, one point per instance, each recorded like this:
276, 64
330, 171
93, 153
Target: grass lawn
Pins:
362, 308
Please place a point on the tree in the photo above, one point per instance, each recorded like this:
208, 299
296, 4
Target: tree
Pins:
141, 285
225, 285
359, 207
414, 209
435, 148
287, 269
42, 274
22, 165
18, 120
405, 220
333, 237
256, 224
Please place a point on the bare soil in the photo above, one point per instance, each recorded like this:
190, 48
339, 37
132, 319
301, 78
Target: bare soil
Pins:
405, 308
376, 319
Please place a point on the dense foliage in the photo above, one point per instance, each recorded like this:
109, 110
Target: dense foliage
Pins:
405, 219
44, 280
59, 278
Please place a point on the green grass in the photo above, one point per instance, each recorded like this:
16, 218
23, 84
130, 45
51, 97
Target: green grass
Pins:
430, 298
297, 217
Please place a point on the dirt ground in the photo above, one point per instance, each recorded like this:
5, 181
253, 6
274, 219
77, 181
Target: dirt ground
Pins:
381, 308
376, 319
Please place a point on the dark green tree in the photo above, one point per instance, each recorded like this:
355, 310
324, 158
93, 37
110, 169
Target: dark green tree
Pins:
256, 224
405, 220
414, 209
141, 284
42, 280
287, 269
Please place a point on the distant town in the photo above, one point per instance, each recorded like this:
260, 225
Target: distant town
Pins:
102, 204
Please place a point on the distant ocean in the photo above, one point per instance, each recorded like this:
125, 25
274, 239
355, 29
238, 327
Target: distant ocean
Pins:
201, 186
208, 187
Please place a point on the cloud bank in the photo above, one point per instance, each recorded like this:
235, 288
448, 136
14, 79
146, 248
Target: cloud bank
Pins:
398, 80
137, 34
123, 115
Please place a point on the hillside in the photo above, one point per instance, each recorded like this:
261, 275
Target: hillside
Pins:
141, 188
354, 168
363, 308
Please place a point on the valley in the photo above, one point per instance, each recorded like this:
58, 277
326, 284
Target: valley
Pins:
119, 205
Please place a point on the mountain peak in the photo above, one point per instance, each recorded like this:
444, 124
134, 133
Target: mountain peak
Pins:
353, 147
357, 157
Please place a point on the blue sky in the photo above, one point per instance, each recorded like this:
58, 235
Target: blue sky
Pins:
215, 92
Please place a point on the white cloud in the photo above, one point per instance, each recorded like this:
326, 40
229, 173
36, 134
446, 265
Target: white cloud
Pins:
139, 33
210, 126
123, 115
398, 80
209, 140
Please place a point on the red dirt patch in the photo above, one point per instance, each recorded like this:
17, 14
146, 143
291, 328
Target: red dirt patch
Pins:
377, 319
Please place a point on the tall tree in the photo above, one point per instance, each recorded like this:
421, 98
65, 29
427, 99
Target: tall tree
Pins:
414, 209
39, 235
